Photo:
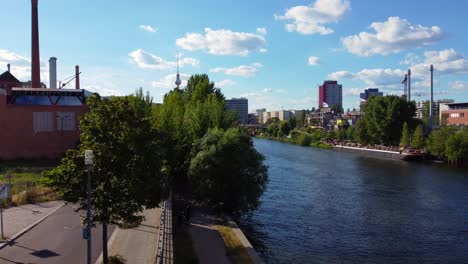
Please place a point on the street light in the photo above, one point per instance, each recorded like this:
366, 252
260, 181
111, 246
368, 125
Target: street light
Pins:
89, 164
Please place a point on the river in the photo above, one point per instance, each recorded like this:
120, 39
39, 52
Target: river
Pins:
323, 206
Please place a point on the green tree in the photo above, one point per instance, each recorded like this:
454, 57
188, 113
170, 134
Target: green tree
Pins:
457, 145
284, 128
292, 122
436, 142
404, 135
227, 172
128, 162
418, 138
383, 118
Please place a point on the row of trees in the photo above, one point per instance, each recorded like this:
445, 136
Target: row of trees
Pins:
142, 152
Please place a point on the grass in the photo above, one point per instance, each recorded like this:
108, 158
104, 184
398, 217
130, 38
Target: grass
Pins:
25, 175
24, 170
236, 252
183, 247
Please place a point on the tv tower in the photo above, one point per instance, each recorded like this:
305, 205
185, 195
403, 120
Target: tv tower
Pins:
178, 81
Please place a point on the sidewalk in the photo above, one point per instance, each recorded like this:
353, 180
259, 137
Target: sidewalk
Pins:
139, 244
17, 219
207, 241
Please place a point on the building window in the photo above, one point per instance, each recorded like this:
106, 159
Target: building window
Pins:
65, 121
462, 114
454, 115
43, 122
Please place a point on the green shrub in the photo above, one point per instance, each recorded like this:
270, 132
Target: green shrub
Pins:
117, 259
305, 140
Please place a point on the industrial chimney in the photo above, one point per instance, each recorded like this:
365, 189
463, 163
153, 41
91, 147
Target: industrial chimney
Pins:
8, 66
35, 63
53, 72
77, 77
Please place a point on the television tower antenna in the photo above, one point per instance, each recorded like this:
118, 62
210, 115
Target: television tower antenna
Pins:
178, 81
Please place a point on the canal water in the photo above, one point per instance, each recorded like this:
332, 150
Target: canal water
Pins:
323, 206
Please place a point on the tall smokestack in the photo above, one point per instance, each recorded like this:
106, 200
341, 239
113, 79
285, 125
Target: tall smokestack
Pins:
35, 67
8, 66
77, 77
53, 72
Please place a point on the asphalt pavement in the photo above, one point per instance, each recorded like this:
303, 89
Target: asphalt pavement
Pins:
58, 239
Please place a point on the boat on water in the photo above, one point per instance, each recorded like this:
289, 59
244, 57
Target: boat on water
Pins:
379, 153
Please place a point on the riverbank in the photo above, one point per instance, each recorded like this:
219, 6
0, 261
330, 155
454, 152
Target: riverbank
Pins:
296, 142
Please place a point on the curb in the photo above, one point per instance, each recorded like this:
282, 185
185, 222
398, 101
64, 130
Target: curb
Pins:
20, 233
109, 244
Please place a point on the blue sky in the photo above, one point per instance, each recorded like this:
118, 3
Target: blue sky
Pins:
273, 52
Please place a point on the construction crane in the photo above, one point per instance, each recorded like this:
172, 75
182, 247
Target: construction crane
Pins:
63, 83
428, 93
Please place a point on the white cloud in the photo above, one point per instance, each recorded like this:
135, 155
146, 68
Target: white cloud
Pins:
104, 91
146, 60
459, 85
148, 28
263, 50
445, 62
341, 75
313, 19
353, 91
223, 42
372, 77
20, 66
313, 60
247, 95
267, 90
410, 59
224, 83
391, 36
243, 70
168, 81
262, 30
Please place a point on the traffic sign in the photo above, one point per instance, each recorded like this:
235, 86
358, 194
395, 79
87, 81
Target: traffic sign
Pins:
86, 234
3, 191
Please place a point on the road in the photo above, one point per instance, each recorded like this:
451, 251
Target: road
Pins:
58, 239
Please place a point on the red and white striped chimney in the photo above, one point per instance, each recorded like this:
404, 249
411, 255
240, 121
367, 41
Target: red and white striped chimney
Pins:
35, 63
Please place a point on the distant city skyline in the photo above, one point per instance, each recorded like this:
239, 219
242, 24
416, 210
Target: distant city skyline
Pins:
275, 53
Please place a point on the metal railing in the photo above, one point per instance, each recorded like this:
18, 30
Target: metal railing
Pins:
165, 249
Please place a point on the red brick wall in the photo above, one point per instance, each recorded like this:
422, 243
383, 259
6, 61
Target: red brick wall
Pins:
17, 137
462, 118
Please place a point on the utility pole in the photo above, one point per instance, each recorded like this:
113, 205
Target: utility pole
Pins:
431, 107
89, 165
409, 85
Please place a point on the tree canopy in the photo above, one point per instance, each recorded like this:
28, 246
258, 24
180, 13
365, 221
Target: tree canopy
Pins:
227, 172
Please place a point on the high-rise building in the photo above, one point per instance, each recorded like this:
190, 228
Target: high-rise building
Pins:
260, 115
330, 94
368, 93
241, 106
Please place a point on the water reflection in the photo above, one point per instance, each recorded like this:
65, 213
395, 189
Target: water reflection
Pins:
326, 206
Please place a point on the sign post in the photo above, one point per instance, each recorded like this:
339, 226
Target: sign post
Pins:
9, 176
87, 233
3, 195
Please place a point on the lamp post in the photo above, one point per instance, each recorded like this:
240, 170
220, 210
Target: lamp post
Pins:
89, 164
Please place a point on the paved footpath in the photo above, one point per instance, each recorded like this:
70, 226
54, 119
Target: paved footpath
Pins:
207, 241
139, 244
57, 239
16, 219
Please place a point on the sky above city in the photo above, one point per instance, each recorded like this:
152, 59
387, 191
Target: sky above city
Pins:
273, 52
